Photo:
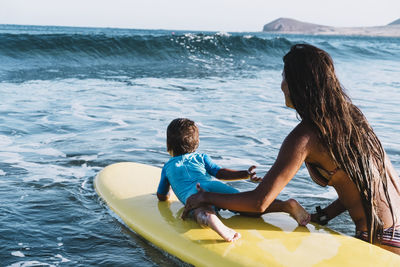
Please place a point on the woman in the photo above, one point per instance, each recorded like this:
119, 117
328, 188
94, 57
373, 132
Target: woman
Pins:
339, 148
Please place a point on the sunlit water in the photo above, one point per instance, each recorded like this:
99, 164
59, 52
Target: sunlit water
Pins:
77, 100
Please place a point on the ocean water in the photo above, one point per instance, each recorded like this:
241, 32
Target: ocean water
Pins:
75, 100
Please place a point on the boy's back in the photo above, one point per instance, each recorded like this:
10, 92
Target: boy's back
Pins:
184, 172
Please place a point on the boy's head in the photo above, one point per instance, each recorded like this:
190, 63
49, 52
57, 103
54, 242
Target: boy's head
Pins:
182, 137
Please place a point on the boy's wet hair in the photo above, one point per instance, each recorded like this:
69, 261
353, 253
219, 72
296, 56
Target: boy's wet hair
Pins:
182, 136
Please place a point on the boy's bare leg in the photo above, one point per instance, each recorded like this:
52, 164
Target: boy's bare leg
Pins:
206, 216
292, 207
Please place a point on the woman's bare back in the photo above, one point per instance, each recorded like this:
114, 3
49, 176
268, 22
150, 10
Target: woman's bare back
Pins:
349, 195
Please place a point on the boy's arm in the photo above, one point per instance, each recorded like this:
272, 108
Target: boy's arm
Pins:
163, 197
163, 190
228, 174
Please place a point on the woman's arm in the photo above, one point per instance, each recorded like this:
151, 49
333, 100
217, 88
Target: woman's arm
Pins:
328, 213
292, 154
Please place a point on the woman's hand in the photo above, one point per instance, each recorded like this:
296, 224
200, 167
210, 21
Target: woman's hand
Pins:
194, 201
314, 217
321, 217
253, 175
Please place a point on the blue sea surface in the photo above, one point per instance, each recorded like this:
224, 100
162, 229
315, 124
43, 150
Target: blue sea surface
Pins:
75, 100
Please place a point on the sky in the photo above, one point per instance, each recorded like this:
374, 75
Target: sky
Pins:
202, 15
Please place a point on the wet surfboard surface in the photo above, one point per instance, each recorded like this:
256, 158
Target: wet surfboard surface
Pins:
275, 239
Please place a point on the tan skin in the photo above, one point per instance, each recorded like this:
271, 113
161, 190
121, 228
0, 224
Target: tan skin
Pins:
303, 145
226, 174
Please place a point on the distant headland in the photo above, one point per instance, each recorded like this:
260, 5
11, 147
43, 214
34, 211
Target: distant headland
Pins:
292, 26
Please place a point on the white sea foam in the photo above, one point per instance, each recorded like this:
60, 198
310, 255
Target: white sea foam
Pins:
62, 258
330, 193
225, 34
230, 161
119, 121
5, 140
208, 37
30, 264
129, 150
10, 157
55, 172
59, 138
45, 151
283, 120
107, 129
190, 35
18, 254
265, 141
12, 152
134, 149
45, 120
78, 110
14, 155
85, 157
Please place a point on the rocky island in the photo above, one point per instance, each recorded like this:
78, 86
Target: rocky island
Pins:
292, 26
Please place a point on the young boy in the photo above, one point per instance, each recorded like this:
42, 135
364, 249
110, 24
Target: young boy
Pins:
187, 168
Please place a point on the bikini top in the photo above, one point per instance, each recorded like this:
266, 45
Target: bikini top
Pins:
319, 175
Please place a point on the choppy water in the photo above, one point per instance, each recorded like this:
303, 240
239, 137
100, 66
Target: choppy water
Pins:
75, 100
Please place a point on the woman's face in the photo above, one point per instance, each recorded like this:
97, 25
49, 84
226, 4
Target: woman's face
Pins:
285, 90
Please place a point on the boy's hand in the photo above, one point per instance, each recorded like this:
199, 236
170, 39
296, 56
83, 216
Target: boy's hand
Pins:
163, 197
253, 175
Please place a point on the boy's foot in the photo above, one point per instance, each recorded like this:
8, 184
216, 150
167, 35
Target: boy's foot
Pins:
298, 212
230, 235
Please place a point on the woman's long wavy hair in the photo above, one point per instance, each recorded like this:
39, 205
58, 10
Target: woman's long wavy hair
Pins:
320, 101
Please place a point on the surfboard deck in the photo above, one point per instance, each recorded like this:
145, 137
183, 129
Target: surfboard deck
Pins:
275, 239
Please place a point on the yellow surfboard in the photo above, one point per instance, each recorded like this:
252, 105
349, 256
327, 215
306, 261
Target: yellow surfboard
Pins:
275, 239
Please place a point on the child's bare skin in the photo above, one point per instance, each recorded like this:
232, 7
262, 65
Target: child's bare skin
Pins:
206, 216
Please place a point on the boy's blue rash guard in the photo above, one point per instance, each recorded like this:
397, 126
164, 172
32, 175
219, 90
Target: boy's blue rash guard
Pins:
185, 171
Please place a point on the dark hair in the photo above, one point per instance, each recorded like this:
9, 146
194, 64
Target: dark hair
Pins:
182, 136
320, 100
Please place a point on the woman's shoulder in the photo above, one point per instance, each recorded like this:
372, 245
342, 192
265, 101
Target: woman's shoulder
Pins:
304, 131
303, 138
